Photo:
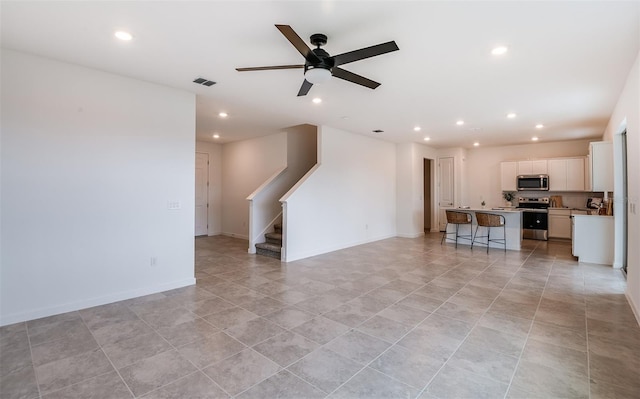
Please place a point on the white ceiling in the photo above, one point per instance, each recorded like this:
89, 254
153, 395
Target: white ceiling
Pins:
565, 68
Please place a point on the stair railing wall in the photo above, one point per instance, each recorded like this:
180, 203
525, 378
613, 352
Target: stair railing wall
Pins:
264, 207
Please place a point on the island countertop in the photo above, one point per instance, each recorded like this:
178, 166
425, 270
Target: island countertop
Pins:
513, 227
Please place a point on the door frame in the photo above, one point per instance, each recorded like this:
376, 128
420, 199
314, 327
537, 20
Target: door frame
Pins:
207, 194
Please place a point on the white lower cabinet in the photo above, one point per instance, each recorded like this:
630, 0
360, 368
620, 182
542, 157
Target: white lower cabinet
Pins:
559, 223
593, 238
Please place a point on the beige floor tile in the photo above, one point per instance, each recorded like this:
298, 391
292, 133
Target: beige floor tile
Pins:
371, 384
156, 371
211, 349
457, 383
283, 385
106, 386
196, 385
286, 348
241, 371
325, 369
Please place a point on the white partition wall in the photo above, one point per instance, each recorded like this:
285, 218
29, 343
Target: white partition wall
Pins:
349, 198
97, 187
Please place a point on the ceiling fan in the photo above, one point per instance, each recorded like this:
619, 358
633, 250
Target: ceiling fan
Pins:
319, 66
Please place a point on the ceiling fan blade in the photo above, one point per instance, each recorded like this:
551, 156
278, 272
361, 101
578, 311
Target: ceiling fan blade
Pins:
298, 43
267, 68
354, 78
304, 89
366, 52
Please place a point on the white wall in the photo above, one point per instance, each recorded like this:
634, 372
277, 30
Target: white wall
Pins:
483, 166
348, 199
410, 189
90, 161
215, 185
628, 108
246, 165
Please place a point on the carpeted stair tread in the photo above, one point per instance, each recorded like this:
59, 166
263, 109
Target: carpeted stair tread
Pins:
269, 246
278, 228
274, 238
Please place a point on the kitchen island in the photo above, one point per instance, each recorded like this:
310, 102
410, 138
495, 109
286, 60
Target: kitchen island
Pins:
512, 224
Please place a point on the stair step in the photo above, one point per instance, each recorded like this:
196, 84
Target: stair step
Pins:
274, 238
269, 247
278, 227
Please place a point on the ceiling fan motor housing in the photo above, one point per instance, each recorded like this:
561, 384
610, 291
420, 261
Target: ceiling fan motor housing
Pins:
326, 62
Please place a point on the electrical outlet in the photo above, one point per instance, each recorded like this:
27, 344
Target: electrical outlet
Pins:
153, 262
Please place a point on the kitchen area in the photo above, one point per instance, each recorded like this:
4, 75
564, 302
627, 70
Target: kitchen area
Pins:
560, 198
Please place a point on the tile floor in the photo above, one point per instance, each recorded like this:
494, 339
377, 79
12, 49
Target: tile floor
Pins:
399, 318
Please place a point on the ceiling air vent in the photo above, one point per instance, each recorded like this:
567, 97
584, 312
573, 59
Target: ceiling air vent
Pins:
204, 82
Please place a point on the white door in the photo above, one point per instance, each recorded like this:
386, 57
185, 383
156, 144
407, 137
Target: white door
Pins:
446, 192
202, 193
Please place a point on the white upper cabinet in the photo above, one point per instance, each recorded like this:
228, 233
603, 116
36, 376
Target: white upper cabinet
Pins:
508, 174
566, 174
601, 165
537, 167
557, 171
575, 174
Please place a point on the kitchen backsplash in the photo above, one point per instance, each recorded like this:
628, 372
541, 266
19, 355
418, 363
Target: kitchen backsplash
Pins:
570, 200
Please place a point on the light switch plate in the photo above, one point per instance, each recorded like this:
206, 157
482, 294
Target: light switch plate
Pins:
173, 205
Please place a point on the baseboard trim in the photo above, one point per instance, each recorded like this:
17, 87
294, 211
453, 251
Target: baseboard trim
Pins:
635, 310
91, 302
234, 235
410, 235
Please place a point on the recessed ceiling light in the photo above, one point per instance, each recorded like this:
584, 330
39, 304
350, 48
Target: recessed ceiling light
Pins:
123, 35
317, 100
223, 114
476, 144
511, 115
499, 50
460, 123
216, 136
417, 129
539, 126
534, 138
427, 138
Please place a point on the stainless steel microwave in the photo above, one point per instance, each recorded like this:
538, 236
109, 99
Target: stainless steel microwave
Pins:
533, 183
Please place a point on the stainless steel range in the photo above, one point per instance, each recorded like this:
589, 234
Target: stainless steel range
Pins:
535, 217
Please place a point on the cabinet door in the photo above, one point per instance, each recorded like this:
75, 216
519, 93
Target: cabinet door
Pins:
601, 165
575, 174
559, 225
557, 170
508, 174
525, 168
539, 167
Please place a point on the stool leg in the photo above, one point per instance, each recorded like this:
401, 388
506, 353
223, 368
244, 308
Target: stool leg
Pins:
445, 233
504, 235
488, 238
457, 225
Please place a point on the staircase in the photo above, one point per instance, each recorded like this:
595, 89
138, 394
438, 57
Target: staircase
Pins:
273, 246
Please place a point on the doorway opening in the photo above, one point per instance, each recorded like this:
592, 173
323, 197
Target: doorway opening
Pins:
427, 190
202, 194
621, 199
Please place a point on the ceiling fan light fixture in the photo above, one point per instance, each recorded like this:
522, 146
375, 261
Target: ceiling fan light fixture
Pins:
317, 75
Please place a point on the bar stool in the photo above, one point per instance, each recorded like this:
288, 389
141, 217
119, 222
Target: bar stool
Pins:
489, 220
457, 218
